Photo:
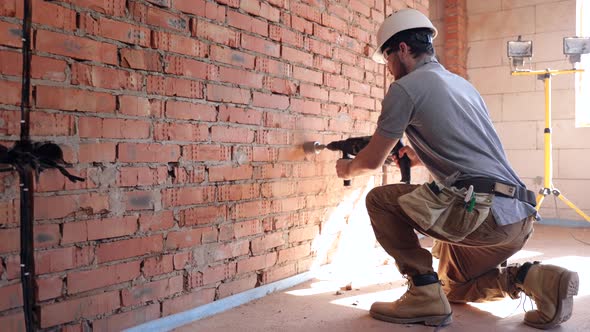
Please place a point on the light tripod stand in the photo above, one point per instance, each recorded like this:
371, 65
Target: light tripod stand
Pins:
548, 187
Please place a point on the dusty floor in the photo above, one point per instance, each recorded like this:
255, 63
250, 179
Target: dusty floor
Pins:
319, 305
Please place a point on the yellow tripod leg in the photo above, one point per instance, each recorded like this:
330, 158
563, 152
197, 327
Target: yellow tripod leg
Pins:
570, 204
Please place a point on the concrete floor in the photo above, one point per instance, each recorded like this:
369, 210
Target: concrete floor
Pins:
321, 305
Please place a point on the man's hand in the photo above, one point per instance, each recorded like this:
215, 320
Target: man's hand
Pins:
343, 168
408, 151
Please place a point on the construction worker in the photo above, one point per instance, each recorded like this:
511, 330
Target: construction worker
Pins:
477, 209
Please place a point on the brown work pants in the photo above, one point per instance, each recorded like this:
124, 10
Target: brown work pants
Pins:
470, 269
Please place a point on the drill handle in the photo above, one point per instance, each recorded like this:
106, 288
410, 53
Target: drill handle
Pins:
346, 156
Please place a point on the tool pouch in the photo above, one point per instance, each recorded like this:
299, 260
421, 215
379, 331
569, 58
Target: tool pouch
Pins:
446, 212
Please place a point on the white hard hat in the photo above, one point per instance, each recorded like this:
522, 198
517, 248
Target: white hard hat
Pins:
401, 20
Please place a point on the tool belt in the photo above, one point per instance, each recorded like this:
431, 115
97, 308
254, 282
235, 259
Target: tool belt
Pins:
485, 185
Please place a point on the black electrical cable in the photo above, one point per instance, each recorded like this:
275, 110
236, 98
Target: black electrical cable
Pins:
26, 184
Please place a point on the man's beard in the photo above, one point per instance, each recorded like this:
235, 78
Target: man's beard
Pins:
403, 69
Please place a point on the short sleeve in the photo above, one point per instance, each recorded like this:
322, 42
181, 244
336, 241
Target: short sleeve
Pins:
396, 111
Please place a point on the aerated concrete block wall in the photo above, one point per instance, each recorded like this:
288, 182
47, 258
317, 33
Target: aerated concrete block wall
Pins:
517, 104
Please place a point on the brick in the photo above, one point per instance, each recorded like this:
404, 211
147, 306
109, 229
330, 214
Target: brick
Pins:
196, 7
46, 235
272, 101
161, 18
141, 176
294, 253
238, 192
109, 7
13, 321
232, 134
305, 106
178, 44
257, 263
273, 67
276, 189
188, 301
266, 242
11, 296
237, 286
111, 227
190, 111
11, 240
279, 120
297, 56
243, 78
273, 137
313, 91
286, 36
108, 78
258, 8
74, 100
207, 152
97, 152
128, 319
48, 68
11, 92
153, 266
9, 213
340, 82
220, 252
301, 24
10, 34
188, 174
80, 281
143, 152
185, 238
232, 57
75, 47
307, 75
247, 23
240, 115
230, 173
74, 232
73, 309
122, 249
187, 196
171, 131
113, 128
170, 86
308, 12
62, 259
319, 47
52, 207
8, 8
139, 106
47, 124
111, 29
280, 86
186, 67
156, 221
215, 33
206, 215
11, 64
182, 259
279, 273
152, 291
240, 230
260, 45
49, 288
140, 59
222, 93
218, 273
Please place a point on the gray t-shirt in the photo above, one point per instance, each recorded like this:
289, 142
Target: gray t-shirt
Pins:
447, 123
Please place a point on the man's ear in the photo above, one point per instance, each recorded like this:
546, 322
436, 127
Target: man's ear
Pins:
404, 48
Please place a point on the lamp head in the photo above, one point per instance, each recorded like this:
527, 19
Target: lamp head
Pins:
518, 53
574, 47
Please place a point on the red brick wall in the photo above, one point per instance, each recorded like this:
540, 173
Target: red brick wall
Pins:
185, 117
455, 34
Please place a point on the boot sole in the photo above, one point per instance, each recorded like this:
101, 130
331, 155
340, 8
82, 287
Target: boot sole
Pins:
568, 288
437, 320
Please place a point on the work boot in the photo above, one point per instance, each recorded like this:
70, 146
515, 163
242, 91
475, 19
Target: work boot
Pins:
424, 302
552, 288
